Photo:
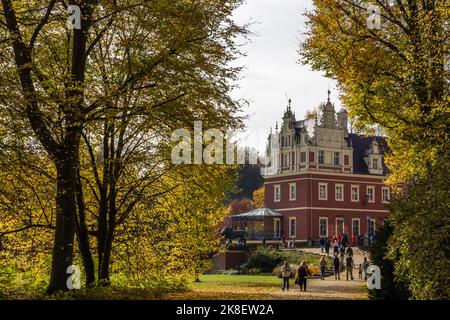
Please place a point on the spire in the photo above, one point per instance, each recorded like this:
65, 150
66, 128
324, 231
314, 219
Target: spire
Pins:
329, 92
289, 105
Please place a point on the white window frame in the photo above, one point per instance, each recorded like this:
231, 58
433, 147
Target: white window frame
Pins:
373, 164
326, 229
275, 188
359, 225
351, 192
388, 195
334, 158
335, 192
275, 234
336, 224
326, 190
323, 157
373, 194
293, 184
292, 236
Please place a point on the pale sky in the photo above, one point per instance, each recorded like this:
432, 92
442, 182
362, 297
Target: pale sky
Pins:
272, 71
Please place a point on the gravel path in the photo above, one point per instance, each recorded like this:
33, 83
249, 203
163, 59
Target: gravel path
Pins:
330, 288
326, 289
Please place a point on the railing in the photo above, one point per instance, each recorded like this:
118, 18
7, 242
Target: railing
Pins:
260, 235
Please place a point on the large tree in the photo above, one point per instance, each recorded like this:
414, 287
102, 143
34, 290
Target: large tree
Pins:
66, 83
395, 74
420, 243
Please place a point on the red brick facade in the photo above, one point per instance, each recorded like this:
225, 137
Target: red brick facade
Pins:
311, 158
308, 209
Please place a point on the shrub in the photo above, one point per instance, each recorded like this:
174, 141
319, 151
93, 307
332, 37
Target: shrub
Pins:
265, 259
391, 288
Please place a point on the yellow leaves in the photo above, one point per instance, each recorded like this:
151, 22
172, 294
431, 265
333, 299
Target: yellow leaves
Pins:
258, 198
392, 77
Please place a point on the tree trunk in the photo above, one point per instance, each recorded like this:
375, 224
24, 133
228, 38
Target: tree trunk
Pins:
65, 231
103, 277
83, 237
108, 210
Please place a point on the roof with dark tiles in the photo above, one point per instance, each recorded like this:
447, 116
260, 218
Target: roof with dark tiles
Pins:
361, 145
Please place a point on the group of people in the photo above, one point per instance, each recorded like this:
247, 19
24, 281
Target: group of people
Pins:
343, 260
300, 277
341, 240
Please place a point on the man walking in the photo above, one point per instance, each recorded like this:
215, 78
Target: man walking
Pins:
321, 243
349, 266
327, 247
349, 251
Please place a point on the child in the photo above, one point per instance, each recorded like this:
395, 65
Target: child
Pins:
360, 270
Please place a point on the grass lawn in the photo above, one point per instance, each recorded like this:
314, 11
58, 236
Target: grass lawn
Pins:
231, 287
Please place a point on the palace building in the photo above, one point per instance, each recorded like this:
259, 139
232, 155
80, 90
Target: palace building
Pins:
324, 180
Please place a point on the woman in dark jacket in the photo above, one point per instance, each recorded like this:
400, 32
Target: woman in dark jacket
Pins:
337, 266
302, 273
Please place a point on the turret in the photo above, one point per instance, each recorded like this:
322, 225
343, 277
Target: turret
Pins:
288, 118
342, 120
328, 114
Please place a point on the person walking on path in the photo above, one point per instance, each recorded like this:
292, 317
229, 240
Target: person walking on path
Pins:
349, 251
335, 247
321, 243
349, 266
360, 271
364, 267
353, 240
342, 253
327, 247
336, 267
302, 273
285, 274
323, 266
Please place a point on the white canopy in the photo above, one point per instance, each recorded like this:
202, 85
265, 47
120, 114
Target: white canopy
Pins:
259, 213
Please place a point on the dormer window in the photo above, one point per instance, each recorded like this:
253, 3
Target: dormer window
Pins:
375, 147
375, 163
